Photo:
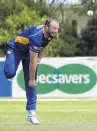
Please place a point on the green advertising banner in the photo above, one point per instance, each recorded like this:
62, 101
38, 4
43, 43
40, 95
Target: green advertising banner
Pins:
70, 78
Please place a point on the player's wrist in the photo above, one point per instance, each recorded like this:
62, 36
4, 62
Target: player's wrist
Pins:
32, 83
32, 80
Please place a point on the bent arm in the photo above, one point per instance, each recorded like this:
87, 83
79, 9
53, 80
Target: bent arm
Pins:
33, 64
41, 54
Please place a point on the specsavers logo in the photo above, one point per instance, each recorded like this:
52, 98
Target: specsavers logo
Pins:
71, 78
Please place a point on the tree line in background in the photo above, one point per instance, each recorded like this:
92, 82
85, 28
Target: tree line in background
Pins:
17, 15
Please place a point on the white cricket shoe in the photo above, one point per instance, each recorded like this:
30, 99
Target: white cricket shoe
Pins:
32, 117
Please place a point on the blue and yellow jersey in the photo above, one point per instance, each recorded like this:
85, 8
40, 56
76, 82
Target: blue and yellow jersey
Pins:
32, 38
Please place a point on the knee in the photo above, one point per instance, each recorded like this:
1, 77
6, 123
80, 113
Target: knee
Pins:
9, 75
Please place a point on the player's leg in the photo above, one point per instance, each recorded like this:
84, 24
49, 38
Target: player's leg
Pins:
11, 63
31, 95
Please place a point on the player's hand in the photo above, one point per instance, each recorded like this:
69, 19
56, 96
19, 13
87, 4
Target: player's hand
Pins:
32, 83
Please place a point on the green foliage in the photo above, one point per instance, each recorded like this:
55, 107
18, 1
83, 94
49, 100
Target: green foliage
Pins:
17, 15
17, 23
88, 40
88, 5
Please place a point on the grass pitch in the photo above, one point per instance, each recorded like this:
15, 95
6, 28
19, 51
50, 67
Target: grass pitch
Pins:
53, 116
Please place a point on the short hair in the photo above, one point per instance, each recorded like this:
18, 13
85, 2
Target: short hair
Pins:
48, 21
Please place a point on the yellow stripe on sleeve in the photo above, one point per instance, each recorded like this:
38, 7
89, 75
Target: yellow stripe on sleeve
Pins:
22, 40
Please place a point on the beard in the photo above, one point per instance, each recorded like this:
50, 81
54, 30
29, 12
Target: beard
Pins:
52, 35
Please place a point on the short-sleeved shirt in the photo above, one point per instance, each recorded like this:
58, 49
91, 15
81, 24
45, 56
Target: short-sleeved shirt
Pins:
32, 38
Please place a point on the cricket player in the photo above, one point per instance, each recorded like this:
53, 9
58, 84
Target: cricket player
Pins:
29, 47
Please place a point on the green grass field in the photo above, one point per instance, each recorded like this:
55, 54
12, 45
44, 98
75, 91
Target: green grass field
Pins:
53, 116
